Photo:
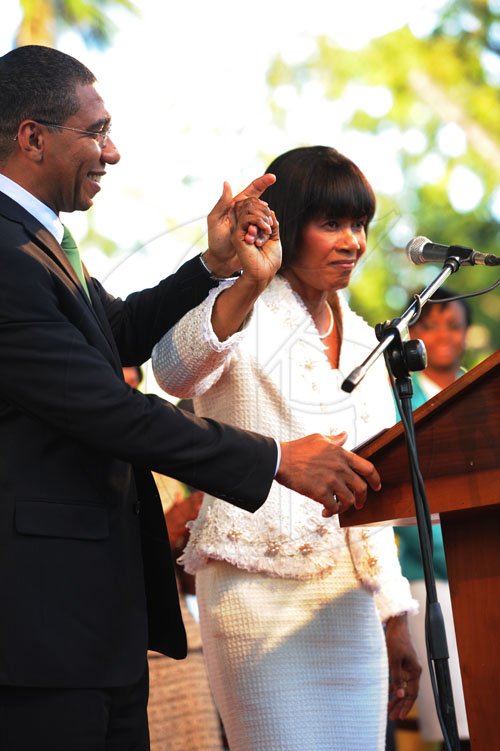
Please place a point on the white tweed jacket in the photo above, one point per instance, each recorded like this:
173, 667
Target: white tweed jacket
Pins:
274, 377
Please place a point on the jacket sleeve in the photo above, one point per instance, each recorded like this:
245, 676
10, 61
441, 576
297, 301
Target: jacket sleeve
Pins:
55, 369
375, 557
140, 320
190, 359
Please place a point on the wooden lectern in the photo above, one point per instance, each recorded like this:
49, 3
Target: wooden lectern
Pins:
458, 446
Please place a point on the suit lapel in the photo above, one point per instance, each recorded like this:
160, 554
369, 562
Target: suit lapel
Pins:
48, 245
42, 238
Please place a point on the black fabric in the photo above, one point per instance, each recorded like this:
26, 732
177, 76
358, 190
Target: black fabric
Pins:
48, 719
85, 572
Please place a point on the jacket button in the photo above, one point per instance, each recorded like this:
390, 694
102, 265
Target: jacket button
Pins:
137, 508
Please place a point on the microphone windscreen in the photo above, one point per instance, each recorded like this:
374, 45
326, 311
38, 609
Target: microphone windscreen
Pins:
415, 247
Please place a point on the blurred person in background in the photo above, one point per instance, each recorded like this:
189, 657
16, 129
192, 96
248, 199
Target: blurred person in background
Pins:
181, 711
133, 376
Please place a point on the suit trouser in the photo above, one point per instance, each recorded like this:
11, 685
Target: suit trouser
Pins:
52, 719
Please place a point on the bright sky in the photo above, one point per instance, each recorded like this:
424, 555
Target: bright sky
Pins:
186, 85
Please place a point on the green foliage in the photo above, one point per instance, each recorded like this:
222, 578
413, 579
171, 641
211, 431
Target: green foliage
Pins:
91, 18
44, 19
97, 239
450, 77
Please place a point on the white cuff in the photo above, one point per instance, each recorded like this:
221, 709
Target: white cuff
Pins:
278, 457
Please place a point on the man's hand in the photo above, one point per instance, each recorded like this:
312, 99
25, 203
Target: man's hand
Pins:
404, 667
317, 466
221, 257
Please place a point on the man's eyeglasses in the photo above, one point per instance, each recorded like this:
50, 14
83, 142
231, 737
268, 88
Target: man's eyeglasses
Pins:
101, 136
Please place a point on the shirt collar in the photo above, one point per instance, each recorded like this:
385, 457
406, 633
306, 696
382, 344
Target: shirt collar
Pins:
36, 208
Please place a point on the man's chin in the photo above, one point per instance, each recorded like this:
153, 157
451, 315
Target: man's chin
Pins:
84, 204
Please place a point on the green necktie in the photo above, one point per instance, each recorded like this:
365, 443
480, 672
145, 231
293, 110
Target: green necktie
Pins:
70, 247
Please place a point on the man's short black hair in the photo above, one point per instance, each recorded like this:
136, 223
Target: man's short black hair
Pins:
37, 83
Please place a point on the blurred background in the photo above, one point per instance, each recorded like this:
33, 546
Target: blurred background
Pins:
203, 92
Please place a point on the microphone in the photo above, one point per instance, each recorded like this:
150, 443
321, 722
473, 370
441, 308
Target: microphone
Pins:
422, 250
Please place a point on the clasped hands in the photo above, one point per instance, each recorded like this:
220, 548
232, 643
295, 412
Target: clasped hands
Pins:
243, 234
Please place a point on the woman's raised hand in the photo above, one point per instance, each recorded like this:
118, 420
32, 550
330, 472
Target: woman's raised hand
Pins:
255, 239
220, 255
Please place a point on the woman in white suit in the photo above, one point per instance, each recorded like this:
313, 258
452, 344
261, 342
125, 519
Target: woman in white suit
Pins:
291, 605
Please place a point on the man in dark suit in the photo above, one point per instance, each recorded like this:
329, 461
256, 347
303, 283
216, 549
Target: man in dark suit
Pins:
86, 579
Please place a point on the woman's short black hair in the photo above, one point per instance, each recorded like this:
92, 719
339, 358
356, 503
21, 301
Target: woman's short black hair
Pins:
312, 182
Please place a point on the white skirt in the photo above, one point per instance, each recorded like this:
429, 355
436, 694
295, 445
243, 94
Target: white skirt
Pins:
294, 664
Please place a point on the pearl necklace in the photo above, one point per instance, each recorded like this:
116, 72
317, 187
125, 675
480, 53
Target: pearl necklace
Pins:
330, 326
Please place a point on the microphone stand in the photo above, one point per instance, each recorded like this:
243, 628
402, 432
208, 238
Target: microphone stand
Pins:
398, 325
401, 358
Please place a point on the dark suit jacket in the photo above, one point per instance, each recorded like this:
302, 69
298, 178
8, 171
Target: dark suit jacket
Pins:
86, 581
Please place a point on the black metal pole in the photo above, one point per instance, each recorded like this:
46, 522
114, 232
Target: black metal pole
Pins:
401, 358
437, 647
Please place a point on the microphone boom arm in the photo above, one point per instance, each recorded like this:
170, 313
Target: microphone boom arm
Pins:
451, 265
